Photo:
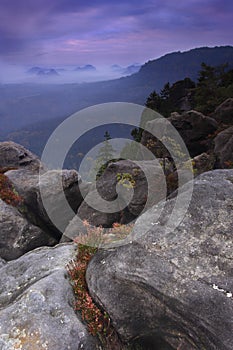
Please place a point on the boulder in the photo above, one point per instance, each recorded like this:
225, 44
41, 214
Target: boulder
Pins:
193, 127
223, 114
200, 164
17, 235
203, 162
29, 186
16, 156
36, 303
224, 148
118, 179
174, 290
93, 216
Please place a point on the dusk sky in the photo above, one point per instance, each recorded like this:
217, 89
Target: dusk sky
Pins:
63, 32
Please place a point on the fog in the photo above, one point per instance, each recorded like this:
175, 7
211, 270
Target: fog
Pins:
61, 74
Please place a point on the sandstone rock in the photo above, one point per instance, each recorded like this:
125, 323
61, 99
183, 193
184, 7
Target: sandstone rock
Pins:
36, 301
224, 148
173, 290
193, 127
17, 235
14, 155
118, 178
29, 186
96, 217
224, 113
203, 162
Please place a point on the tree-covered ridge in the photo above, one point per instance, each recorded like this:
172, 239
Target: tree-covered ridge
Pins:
214, 85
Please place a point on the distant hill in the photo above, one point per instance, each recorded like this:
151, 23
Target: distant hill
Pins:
28, 104
42, 71
133, 68
179, 65
86, 68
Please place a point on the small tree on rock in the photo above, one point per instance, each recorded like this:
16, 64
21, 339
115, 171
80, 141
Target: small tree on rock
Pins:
105, 154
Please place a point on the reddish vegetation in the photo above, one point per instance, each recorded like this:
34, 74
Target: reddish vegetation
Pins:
7, 191
228, 164
98, 321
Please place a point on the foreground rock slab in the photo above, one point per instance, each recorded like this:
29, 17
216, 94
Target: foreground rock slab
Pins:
36, 301
174, 290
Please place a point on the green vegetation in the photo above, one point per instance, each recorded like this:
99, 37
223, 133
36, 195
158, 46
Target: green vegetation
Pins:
126, 180
215, 84
106, 154
170, 97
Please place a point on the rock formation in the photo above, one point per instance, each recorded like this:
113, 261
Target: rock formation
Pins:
224, 113
223, 148
29, 187
15, 155
17, 235
128, 176
193, 127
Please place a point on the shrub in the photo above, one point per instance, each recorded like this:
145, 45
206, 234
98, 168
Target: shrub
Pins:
228, 164
126, 180
94, 236
7, 192
99, 237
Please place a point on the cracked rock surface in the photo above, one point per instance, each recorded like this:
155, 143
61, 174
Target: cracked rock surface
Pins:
173, 290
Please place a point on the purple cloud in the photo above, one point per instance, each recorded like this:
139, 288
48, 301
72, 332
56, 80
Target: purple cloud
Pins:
103, 31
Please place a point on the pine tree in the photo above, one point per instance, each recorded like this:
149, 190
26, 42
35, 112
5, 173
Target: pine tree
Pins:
154, 101
105, 154
165, 91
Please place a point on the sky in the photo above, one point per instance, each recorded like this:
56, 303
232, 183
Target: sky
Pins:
106, 32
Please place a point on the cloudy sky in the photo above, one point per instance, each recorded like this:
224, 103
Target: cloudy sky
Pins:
62, 32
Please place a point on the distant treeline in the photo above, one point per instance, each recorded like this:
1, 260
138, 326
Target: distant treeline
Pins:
214, 85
